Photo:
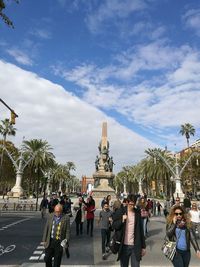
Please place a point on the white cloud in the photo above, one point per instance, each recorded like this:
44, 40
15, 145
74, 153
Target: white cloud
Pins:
161, 103
192, 20
41, 33
112, 10
20, 56
71, 126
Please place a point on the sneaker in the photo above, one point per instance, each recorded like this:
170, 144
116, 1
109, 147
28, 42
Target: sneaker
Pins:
104, 256
107, 249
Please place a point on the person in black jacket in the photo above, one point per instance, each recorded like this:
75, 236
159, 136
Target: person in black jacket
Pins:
179, 229
128, 223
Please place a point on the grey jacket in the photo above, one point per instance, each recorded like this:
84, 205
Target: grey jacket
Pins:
65, 229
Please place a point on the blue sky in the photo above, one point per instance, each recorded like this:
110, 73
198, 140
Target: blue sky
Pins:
135, 62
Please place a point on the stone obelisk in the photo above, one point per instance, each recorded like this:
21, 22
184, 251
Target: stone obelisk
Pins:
103, 177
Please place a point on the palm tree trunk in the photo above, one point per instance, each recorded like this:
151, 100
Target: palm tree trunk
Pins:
37, 190
188, 144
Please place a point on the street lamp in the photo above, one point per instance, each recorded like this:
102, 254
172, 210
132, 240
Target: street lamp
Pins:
176, 171
140, 185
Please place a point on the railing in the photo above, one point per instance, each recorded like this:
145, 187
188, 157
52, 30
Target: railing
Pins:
17, 206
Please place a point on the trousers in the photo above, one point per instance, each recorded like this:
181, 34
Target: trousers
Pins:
126, 254
54, 250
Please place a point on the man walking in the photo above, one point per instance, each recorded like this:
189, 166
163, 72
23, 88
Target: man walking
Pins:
56, 236
105, 220
133, 242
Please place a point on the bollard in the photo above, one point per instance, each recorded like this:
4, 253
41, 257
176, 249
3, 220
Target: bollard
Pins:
14, 206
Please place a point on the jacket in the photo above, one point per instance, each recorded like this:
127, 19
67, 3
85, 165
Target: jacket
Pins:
65, 229
90, 212
190, 236
119, 227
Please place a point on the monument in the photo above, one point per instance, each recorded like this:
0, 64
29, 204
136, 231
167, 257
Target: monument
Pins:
103, 176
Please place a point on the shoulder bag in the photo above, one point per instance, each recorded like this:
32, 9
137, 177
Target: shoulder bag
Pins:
169, 247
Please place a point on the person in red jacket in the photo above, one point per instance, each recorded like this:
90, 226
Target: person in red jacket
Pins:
90, 209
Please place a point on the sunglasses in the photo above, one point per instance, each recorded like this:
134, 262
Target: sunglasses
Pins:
178, 213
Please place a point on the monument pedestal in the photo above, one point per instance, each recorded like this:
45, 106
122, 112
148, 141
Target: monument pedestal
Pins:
103, 183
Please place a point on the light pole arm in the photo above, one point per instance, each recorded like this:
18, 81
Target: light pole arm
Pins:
166, 163
188, 160
10, 156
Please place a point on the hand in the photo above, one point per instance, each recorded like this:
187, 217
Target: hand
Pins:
174, 219
124, 217
143, 252
198, 254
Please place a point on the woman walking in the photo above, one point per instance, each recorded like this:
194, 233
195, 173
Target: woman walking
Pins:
195, 219
90, 208
179, 229
144, 214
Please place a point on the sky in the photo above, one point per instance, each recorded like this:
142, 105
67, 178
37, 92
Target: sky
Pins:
69, 65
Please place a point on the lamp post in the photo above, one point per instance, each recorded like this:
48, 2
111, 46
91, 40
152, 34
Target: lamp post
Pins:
19, 165
140, 185
176, 171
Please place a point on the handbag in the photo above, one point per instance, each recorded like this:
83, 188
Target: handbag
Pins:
169, 248
114, 245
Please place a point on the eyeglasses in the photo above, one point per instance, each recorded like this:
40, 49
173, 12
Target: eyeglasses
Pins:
177, 199
178, 213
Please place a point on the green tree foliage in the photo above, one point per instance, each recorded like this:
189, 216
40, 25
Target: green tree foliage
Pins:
41, 162
8, 171
187, 130
6, 129
4, 17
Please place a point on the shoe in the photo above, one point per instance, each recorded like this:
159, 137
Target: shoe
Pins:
107, 249
104, 256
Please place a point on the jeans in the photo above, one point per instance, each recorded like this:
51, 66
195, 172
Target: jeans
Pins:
105, 238
144, 221
90, 223
126, 254
79, 226
182, 258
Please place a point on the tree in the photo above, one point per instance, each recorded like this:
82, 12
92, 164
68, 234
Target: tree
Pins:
9, 173
155, 167
6, 129
3, 15
42, 160
187, 129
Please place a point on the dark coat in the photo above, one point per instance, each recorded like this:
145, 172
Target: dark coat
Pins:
190, 236
65, 229
119, 227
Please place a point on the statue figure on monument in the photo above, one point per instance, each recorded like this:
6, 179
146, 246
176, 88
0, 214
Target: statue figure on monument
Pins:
97, 163
111, 163
103, 177
99, 147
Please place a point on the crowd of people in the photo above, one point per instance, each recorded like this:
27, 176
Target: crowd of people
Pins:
125, 219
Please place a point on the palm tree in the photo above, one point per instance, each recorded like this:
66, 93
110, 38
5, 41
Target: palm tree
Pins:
157, 169
6, 128
59, 173
42, 160
70, 167
187, 129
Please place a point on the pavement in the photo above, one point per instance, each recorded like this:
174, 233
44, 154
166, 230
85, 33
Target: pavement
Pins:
86, 251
